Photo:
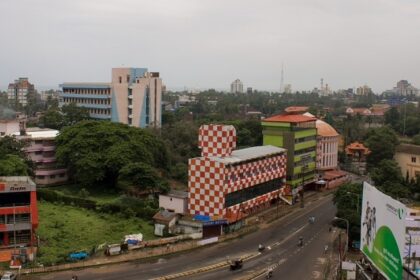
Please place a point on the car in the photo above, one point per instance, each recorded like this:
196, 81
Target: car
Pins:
9, 276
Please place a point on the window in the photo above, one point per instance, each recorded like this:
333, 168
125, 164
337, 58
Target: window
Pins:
128, 78
40, 177
413, 159
62, 175
38, 142
52, 176
120, 79
38, 152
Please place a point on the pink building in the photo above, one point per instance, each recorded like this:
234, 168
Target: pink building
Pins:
41, 150
226, 184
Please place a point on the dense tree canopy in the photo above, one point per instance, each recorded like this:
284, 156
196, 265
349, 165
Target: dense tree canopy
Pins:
13, 161
95, 152
382, 142
67, 115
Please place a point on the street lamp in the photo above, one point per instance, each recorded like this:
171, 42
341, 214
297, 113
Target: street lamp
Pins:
347, 239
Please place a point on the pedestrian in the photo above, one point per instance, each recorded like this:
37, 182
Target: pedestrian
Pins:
167, 247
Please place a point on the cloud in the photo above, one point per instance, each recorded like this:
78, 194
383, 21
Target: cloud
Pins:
209, 43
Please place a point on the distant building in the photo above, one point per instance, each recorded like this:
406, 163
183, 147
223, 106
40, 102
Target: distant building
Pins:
225, 185
18, 219
41, 150
249, 90
237, 86
364, 90
287, 88
357, 154
52, 94
20, 90
133, 97
297, 134
408, 158
403, 88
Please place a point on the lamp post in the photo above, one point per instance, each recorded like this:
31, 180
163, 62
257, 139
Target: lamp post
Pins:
347, 239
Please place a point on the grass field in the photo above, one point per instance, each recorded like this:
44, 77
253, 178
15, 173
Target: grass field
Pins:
64, 229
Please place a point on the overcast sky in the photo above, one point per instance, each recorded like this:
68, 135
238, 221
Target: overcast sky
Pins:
209, 43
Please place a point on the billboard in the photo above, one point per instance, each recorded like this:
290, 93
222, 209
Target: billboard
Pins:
383, 231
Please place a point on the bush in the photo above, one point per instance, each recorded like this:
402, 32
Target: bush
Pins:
53, 196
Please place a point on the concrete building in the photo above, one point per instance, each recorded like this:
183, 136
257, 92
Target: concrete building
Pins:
357, 154
296, 133
18, 219
237, 86
19, 91
225, 185
41, 150
133, 97
408, 158
174, 201
364, 90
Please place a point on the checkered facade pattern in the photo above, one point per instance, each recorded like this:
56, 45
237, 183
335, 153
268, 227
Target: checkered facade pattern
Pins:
216, 140
210, 181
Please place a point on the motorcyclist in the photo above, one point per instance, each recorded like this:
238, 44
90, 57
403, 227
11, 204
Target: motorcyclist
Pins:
261, 247
300, 241
269, 273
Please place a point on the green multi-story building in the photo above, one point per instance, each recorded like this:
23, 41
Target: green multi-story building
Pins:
297, 134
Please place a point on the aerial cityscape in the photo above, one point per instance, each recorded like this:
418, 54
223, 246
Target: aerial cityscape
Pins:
209, 140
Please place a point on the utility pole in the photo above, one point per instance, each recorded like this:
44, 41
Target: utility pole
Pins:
282, 79
340, 256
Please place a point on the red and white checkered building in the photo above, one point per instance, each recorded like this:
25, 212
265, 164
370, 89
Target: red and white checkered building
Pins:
229, 184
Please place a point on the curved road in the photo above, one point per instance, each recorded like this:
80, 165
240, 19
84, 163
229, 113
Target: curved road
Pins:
282, 235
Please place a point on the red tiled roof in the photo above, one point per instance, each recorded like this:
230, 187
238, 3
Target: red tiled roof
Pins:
289, 118
357, 146
296, 109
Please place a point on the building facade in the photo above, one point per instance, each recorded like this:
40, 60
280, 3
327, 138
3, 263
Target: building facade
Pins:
20, 90
296, 133
237, 86
18, 219
133, 97
228, 184
408, 158
174, 201
40, 149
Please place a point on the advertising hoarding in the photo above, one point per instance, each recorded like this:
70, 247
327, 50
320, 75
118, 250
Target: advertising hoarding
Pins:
383, 231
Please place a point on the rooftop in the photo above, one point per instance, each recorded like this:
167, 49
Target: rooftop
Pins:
242, 155
177, 194
39, 133
85, 85
296, 109
323, 129
290, 118
408, 149
164, 215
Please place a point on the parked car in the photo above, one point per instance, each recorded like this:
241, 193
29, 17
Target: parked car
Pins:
9, 276
78, 256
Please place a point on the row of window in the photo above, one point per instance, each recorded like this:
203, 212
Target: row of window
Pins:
304, 151
87, 91
305, 139
254, 172
42, 177
100, 111
252, 192
87, 101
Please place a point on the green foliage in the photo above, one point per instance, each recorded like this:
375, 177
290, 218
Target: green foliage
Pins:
74, 114
348, 200
96, 151
52, 118
382, 142
68, 115
416, 139
386, 171
65, 229
12, 165
141, 177
13, 161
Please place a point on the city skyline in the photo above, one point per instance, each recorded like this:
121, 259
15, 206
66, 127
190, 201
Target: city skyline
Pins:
208, 44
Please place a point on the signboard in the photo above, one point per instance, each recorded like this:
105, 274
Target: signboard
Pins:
383, 232
216, 222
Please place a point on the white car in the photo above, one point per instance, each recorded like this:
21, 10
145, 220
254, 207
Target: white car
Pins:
9, 276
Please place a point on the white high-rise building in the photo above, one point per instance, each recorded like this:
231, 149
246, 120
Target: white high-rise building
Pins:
237, 86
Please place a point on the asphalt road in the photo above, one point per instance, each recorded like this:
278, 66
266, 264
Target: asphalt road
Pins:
282, 235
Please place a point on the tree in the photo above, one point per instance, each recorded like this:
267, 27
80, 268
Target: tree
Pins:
13, 165
74, 114
382, 142
52, 118
96, 151
141, 177
347, 199
386, 171
416, 139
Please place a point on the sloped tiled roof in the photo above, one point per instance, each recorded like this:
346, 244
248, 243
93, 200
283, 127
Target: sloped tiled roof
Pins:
289, 118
